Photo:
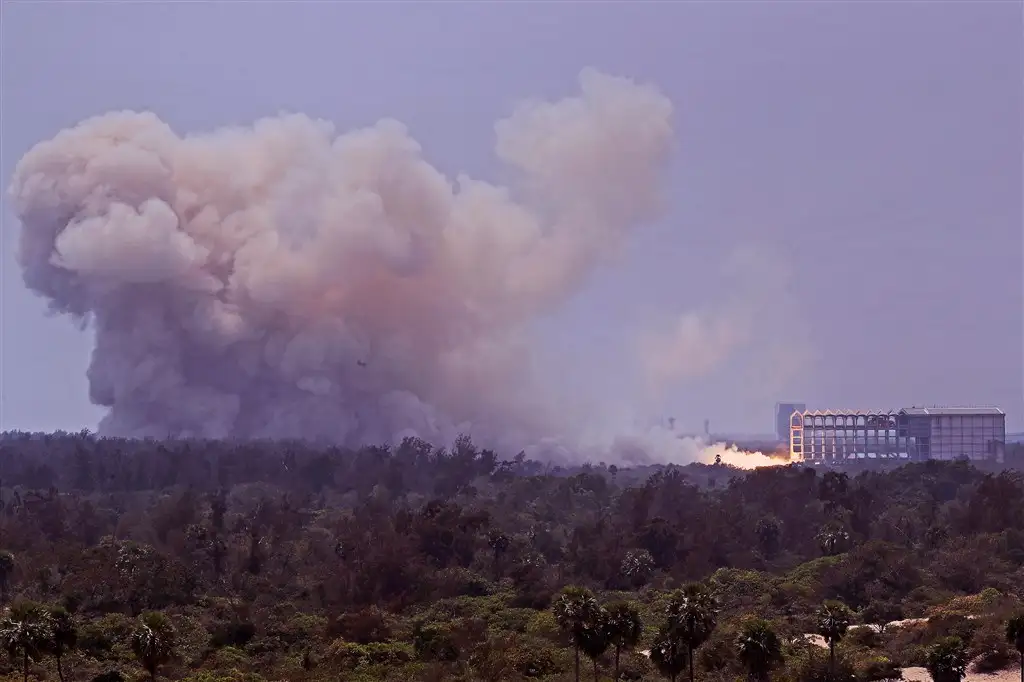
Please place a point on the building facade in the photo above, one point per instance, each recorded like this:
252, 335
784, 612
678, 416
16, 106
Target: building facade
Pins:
783, 411
914, 433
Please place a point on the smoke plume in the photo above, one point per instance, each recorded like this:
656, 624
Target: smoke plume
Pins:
759, 316
282, 280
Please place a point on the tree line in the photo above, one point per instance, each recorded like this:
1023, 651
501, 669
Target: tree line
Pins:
219, 561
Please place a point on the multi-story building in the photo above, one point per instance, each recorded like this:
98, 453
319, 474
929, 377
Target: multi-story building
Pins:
913, 433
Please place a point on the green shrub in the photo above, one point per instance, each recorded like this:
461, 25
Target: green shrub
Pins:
302, 628
877, 669
106, 639
989, 648
362, 627
460, 582
229, 657
352, 655
434, 642
812, 665
504, 656
718, 654
224, 676
542, 624
236, 633
952, 625
863, 637
513, 620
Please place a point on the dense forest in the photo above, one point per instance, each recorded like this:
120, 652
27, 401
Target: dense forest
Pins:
260, 561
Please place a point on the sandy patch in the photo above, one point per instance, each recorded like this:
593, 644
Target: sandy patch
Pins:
1009, 675
816, 640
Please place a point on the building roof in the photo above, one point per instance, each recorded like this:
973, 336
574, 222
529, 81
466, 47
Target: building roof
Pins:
950, 411
846, 413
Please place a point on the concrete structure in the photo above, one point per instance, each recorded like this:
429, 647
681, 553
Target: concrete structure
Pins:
783, 411
913, 433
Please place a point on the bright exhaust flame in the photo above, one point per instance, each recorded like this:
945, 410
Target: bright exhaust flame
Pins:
730, 455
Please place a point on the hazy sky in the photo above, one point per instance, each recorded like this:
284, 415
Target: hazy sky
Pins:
872, 151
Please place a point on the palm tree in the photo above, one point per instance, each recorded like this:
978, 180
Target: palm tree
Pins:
24, 634
576, 610
833, 540
595, 638
769, 531
63, 636
637, 566
758, 648
624, 628
6, 571
669, 653
1015, 636
833, 620
153, 641
947, 660
692, 616
499, 544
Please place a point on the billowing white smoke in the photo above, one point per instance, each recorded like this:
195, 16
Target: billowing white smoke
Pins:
285, 281
758, 315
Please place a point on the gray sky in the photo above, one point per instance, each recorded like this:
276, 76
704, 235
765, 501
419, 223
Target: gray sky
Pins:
871, 150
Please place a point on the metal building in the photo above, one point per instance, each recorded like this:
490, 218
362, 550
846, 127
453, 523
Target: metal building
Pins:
913, 433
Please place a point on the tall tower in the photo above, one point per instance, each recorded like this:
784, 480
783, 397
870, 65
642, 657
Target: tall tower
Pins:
783, 411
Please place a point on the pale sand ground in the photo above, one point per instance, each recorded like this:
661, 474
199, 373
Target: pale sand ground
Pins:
1009, 675
920, 674
818, 640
